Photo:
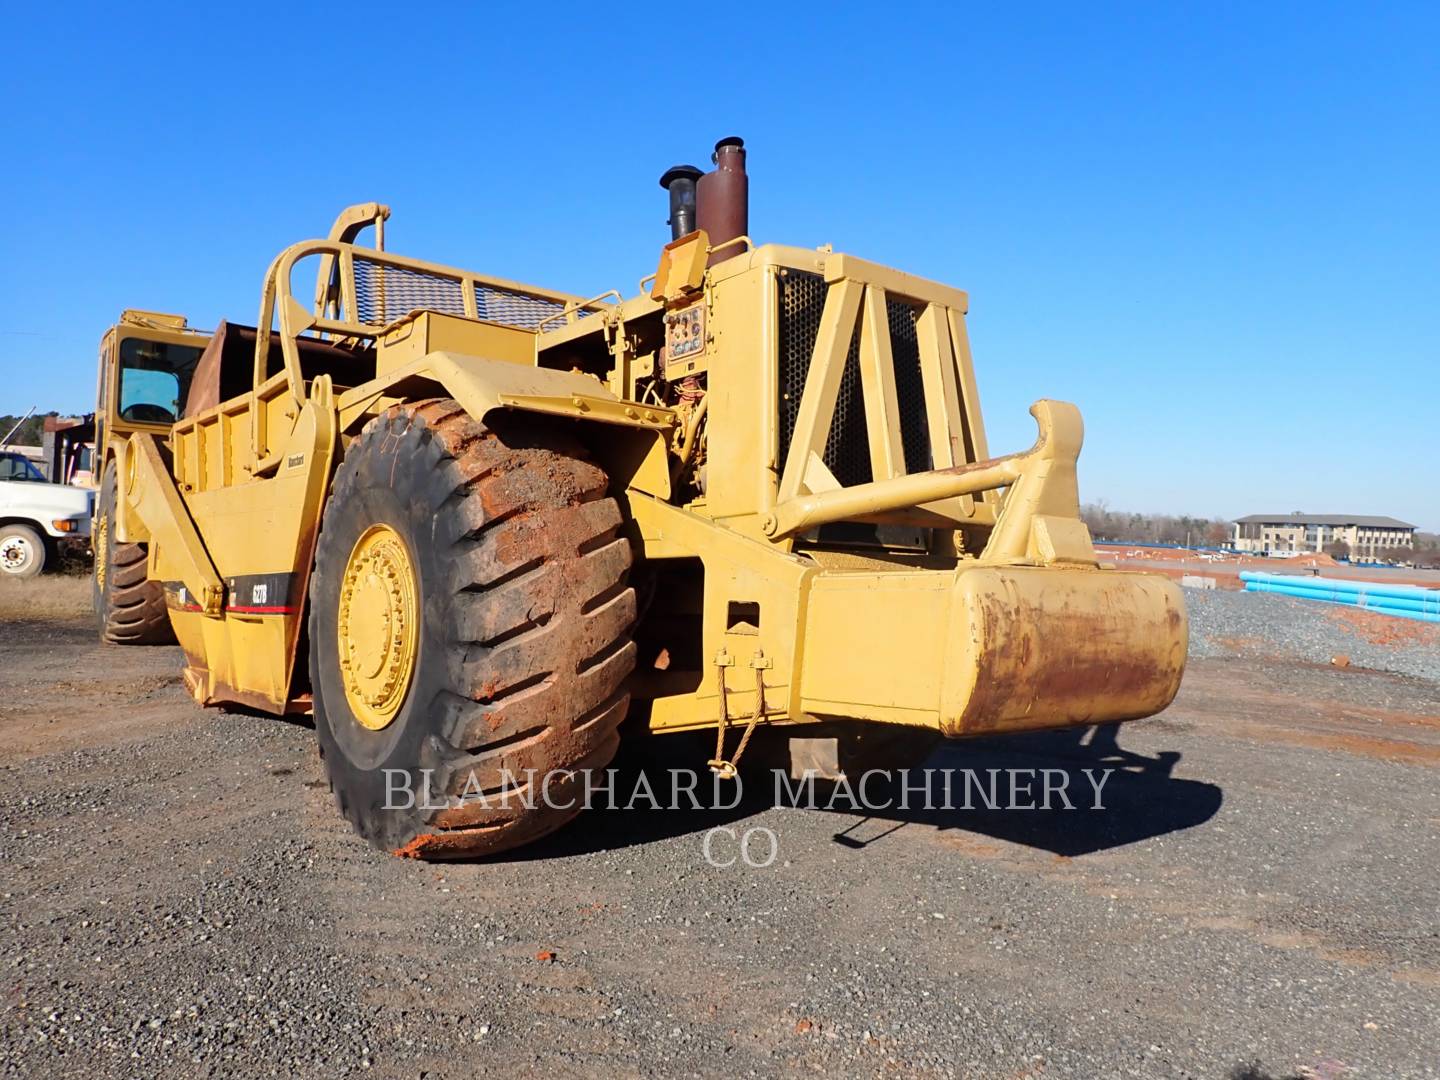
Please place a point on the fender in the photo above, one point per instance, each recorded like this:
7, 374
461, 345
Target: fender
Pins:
638, 458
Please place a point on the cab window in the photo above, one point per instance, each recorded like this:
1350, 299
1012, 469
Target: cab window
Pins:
154, 379
15, 467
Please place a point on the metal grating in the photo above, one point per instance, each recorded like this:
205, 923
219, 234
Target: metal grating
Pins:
385, 293
801, 301
909, 385
847, 448
515, 309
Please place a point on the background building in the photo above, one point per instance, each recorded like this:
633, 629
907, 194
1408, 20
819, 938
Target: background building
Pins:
1367, 535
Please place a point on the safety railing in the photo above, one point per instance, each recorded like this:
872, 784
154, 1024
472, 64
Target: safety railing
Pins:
377, 288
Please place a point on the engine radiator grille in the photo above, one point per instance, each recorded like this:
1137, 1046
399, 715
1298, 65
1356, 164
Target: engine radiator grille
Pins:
847, 448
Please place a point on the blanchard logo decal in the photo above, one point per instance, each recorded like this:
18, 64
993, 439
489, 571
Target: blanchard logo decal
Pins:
294, 461
245, 594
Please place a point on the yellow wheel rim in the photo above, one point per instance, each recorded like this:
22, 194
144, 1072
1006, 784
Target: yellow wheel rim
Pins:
378, 627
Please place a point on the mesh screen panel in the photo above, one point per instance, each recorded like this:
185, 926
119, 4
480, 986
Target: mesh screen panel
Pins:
909, 386
515, 309
386, 293
801, 300
847, 448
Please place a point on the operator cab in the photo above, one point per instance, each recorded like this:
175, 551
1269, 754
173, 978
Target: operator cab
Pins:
153, 378
147, 362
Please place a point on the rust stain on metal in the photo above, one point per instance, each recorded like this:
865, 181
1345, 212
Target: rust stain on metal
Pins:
1078, 683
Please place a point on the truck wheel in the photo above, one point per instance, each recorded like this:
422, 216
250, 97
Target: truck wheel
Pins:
129, 607
22, 551
470, 620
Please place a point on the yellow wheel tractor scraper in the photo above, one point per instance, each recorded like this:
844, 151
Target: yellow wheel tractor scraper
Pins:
474, 525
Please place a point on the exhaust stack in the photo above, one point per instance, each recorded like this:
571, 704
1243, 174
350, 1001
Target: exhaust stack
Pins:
723, 199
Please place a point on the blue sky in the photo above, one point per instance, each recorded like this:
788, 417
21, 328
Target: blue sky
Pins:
1215, 227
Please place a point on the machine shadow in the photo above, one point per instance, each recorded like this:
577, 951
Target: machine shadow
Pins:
1140, 798
601, 828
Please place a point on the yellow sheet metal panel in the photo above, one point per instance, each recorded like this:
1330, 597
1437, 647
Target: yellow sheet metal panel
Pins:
682, 266
740, 474
848, 267
159, 319
482, 383
877, 376
738, 570
258, 536
232, 660
942, 394
212, 453
431, 331
876, 646
161, 513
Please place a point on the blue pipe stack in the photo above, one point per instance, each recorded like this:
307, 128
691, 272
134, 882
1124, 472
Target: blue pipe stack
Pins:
1406, 601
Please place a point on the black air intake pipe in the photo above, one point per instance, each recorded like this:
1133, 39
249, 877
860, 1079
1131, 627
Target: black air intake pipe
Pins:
679, 181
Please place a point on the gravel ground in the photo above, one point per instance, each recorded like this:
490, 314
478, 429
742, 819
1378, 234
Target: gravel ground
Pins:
1257, 901
1227, 623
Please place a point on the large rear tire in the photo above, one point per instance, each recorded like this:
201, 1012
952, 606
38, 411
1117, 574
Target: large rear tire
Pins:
129, 607
470, 618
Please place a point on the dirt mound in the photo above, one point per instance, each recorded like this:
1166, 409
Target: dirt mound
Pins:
1318, 560
1381, 629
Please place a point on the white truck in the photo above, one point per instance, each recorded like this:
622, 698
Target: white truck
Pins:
37, 517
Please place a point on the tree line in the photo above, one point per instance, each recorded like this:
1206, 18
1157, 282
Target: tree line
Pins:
1128, 527
29, 433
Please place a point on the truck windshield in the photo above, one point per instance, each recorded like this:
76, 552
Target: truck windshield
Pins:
15, 467
154, 379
